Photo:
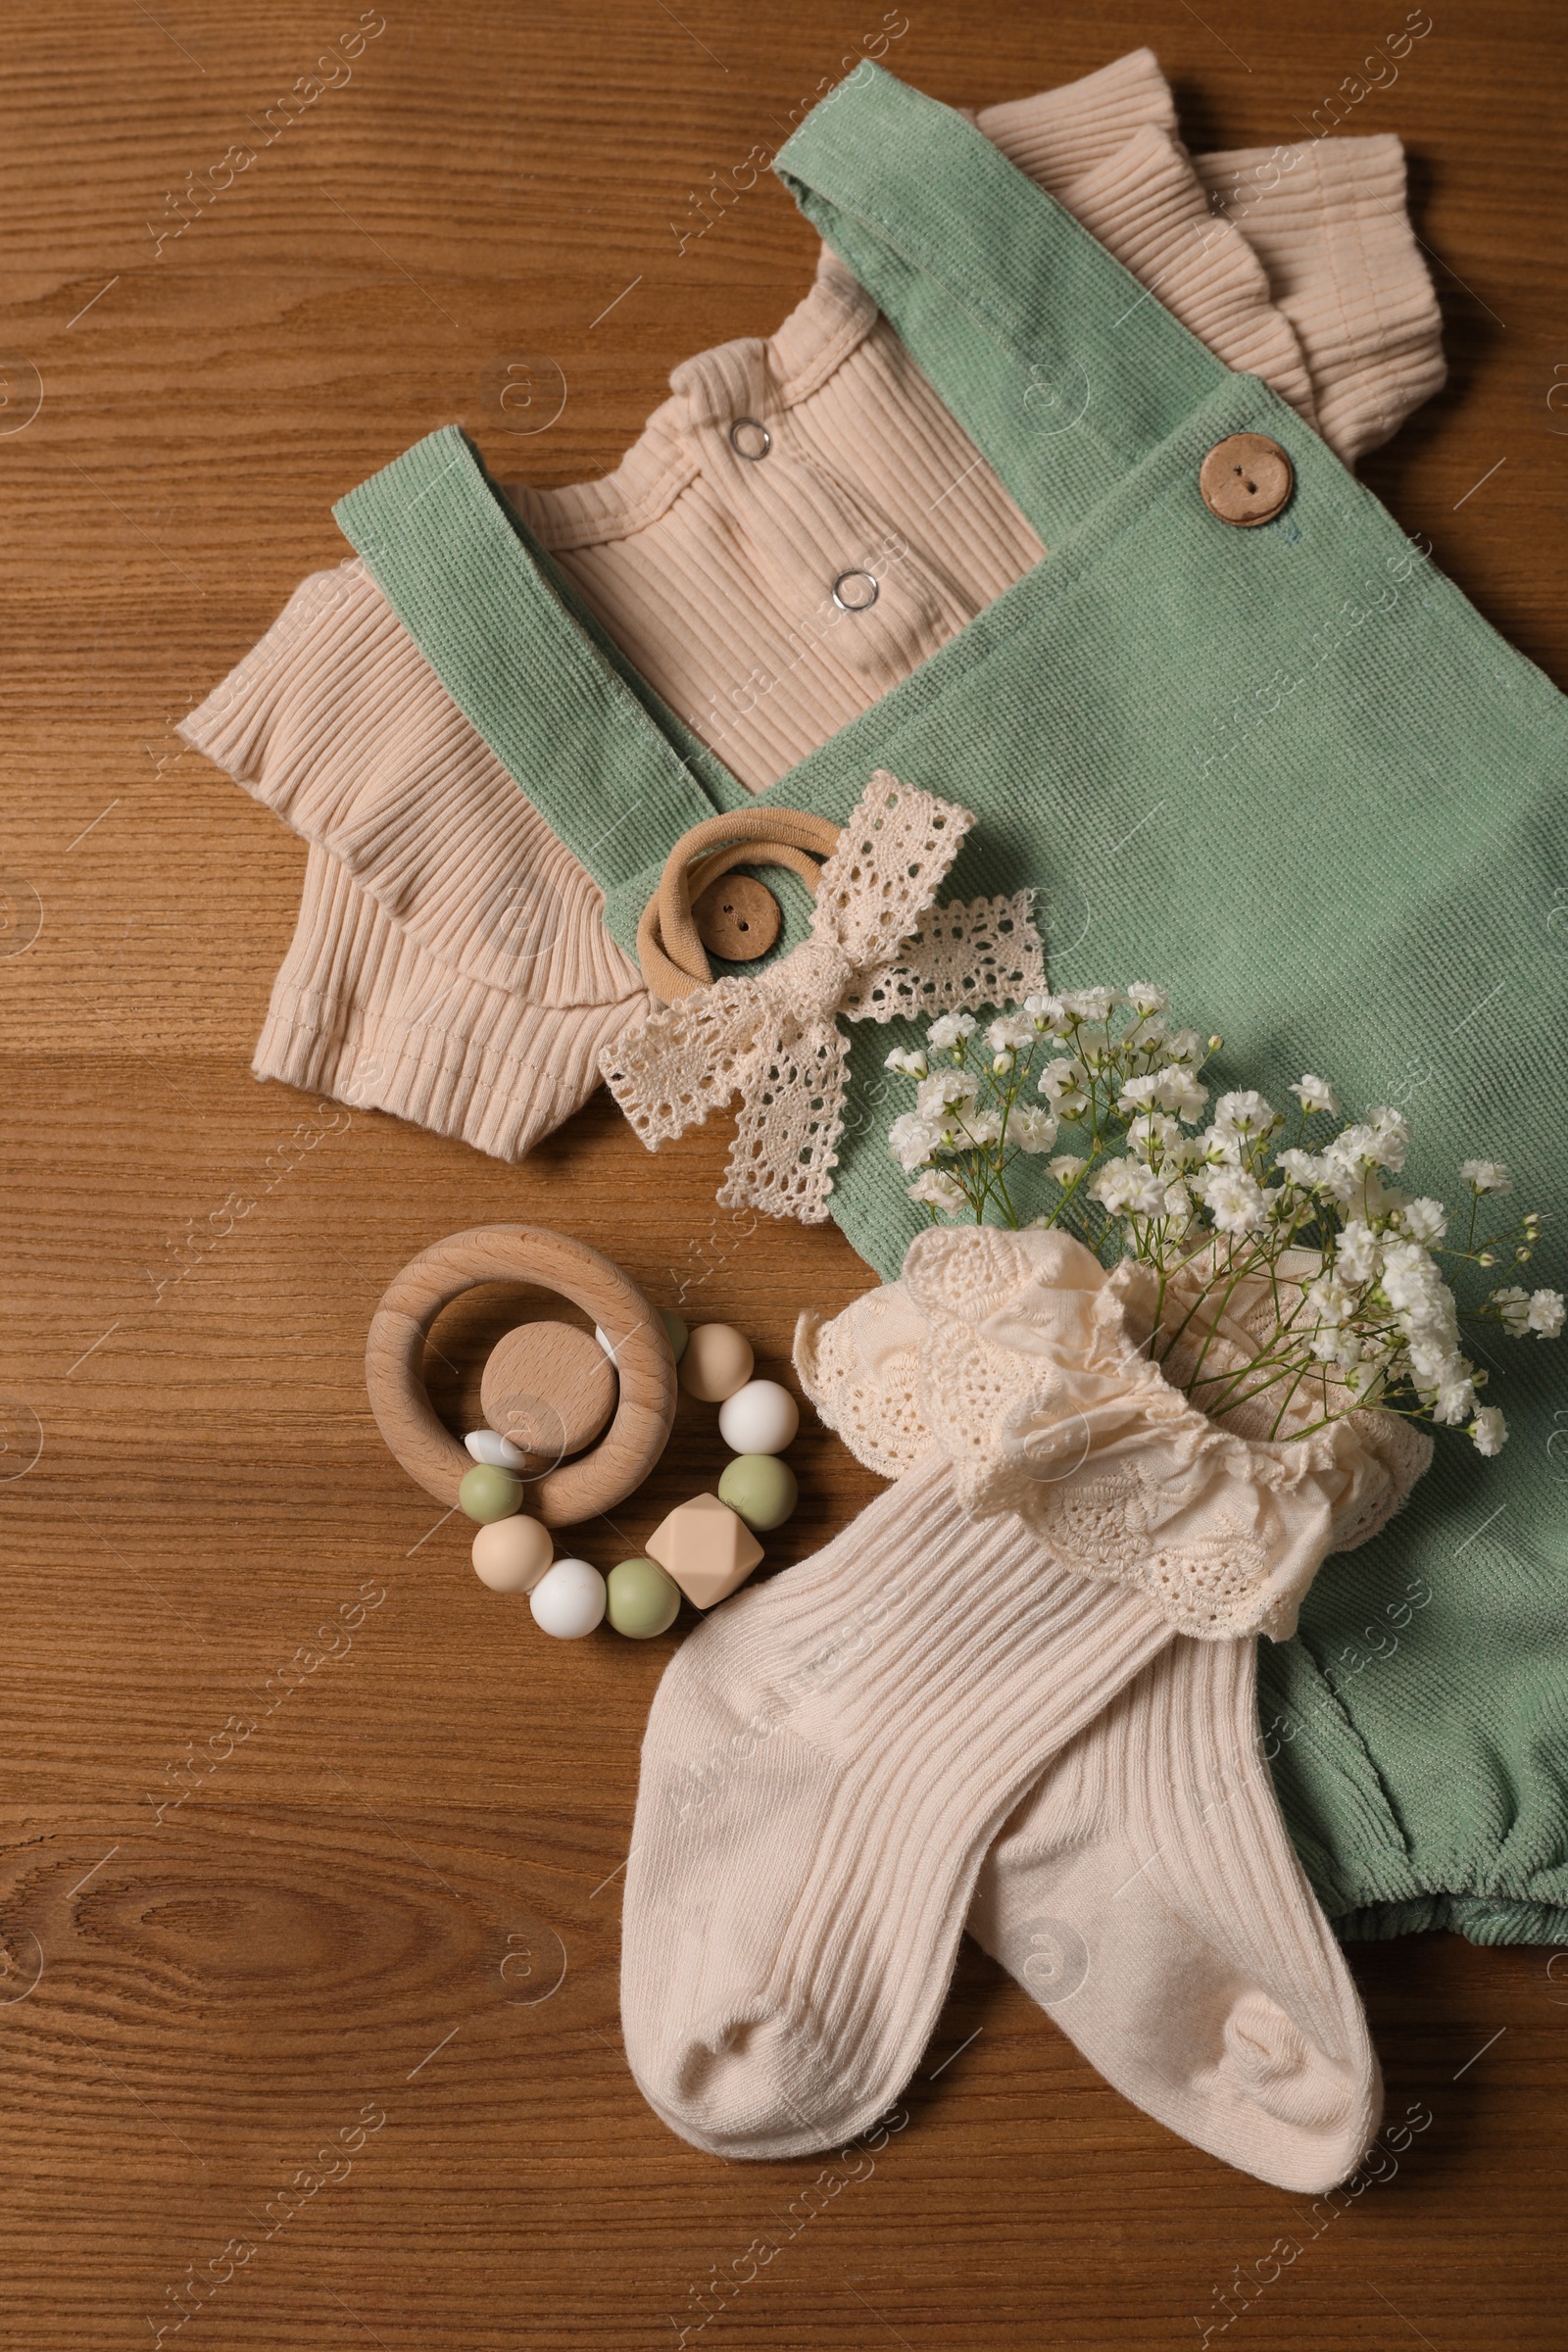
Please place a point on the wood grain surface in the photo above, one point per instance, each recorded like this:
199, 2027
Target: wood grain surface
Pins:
309, 1897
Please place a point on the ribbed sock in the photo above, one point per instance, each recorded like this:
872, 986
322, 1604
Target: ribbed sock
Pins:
1146, 1893
826, 1761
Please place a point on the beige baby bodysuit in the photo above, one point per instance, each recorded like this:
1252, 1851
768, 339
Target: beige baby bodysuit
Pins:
449, 964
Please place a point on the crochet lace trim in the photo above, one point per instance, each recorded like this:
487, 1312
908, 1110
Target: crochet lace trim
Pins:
878, 949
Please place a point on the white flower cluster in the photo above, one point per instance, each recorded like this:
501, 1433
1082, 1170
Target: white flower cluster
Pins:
1379, 1318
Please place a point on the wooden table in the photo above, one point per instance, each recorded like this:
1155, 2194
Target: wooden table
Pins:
328, 1948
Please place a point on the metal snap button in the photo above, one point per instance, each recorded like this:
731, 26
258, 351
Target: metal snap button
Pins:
758, 437
737, 917
857, 602
1246, 479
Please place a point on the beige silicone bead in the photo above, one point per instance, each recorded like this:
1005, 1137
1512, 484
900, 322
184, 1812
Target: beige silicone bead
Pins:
716, 1363
511, 1555
705, 1547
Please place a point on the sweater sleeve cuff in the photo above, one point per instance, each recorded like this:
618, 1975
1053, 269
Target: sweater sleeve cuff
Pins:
360, 1013
1329, 221
1058, 135
337, 722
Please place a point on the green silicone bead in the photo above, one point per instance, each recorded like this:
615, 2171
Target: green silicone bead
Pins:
487, 1495
760, 1489
675, 1331
643, 1599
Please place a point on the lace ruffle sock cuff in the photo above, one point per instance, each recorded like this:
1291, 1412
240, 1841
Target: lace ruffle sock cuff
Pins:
1028, 1366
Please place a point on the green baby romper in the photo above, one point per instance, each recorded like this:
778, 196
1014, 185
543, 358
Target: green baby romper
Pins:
1285, 771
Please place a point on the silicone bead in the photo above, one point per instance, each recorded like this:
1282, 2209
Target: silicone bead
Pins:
760, 1489
570, 1601
675, 1331
761, 1418
511, 1555
499, 1453
488, 1493
643, 1599
718, 1360
707, 1547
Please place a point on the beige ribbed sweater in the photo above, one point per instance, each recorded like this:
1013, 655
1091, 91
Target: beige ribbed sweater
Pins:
449, 964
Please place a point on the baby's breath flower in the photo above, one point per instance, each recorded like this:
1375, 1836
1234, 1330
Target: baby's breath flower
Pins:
1391, 1130
1126, 1189
1380, 1325
1063, 1083
1333, 1301
945, 1091
1545, 1314
1304, 1168
938, 1189
1091, 1004
1179, 1204
1220, 1146
1354, 1147
1454, 1401
1048, 1014
911, 1141
1113, 1186
1244, 1114
1315, 1095
1153, 1137
1235, 1200
1177, 1090
1032, 1130
1424, 1220
1148, 1194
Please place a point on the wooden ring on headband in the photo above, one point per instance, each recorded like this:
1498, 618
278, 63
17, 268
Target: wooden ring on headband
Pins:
394, 1365
672, 956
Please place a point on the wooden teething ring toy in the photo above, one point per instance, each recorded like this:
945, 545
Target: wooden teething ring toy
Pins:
394, 1365
673, 957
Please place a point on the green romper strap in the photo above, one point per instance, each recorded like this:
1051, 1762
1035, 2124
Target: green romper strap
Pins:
1061, 367
605, 761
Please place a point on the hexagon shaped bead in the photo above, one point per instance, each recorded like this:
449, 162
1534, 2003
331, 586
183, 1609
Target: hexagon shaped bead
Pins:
706, 1548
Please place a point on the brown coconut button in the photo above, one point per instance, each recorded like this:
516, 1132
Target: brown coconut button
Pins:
550, 1389
1246, 479
737, 917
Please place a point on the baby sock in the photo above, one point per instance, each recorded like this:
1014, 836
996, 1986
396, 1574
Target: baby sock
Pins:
826, 1761
1148, 1897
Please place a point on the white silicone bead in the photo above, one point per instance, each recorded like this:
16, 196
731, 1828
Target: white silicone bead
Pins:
761, 1418
499, 1453
568, 1601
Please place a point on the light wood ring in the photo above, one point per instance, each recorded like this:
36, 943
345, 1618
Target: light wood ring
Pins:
675, 962
394, 1365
